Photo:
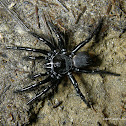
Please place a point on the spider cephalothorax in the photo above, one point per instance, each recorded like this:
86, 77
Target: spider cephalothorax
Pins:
57, 61
58, 64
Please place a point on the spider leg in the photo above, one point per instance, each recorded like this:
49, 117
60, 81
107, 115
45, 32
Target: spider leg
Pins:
45, 52
33, 58
33, 77
19, 21
75, 84
95, 72
42, 39
45, 90
33, 86
14, 15
58, 35
80, 45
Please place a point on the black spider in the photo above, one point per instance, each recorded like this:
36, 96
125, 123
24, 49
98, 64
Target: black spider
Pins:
58, 62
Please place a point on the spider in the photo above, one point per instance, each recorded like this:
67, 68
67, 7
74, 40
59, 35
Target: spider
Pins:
59, 63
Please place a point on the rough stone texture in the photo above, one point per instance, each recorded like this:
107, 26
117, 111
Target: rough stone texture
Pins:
108, 93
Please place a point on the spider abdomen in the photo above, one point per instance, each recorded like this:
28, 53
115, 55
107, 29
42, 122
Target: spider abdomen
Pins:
82, 59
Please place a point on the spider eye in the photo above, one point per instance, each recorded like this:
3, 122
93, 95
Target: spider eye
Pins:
57, 64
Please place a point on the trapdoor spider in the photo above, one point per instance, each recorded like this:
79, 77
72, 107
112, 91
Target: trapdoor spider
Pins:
58, 62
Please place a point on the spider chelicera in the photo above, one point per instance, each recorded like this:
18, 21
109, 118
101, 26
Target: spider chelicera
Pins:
58, 62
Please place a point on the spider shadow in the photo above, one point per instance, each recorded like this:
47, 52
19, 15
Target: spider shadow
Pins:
88, 92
